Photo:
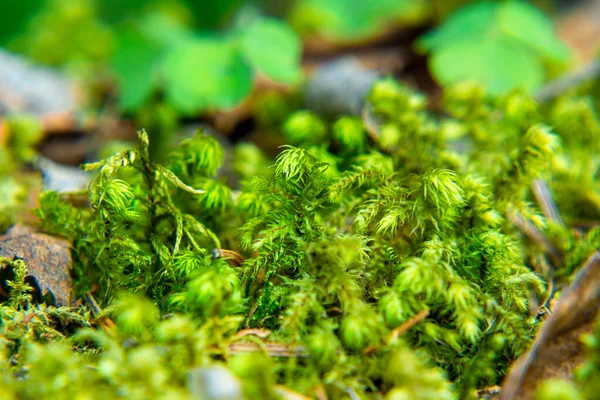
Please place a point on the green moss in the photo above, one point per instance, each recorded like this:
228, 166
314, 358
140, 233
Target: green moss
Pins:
346, 237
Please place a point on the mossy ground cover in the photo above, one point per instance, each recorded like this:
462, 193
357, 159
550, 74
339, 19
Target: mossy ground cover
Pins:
390, 256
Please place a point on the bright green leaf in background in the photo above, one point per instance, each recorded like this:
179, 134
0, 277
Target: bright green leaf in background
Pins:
205, 73
163, 30
500, 45
134, 65
273, 49
195, 73
341, 19
532, 27
509, 64
467, 23
64, 31
16, 17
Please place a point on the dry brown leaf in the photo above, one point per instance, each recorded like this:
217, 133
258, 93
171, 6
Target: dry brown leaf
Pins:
557, 351
48, 261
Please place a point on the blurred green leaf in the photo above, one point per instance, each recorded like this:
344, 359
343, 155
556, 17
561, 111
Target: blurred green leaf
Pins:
205, 73
65, 31
499, 45
273, 49
491, 62
338, 19
16, 16
533, 28
116, 10
466, 23
134, 65
212, 14
163, 30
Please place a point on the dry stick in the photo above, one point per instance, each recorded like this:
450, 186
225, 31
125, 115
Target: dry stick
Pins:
96, 312
394, 334
537, 236
261, 333
272, 349
232, 258
320, 392
351, 393
488, 392
559, 86
28, 318
288, 394
372, 129
546, 202
398, 331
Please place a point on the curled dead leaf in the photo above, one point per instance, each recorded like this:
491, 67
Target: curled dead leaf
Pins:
558, 350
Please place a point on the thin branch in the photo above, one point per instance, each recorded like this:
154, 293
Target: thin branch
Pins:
562, 84
272, 349
288, 394
103, 320
397, 332
546, 202
538, 237
372, 129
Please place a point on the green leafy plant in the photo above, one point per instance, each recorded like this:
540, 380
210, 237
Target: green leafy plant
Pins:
202, 72
133, 230
336, 20
376, 258
500, 45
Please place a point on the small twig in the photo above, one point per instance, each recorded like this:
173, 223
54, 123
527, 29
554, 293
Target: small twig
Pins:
488, 392
272, 349
251, 314
320, 393
261, 333
232, 258
352, 393
288, 394
562, 84
28, 318
537, 236
372, 129
546, 301
395, 333
398, 331
546, 202
104, 321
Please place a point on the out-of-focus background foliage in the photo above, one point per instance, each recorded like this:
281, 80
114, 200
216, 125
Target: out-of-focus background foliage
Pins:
236, 64
204, 55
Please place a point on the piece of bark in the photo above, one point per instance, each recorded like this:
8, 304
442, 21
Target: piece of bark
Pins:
558, 350
48, 261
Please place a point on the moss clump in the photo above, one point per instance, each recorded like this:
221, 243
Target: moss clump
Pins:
360, 231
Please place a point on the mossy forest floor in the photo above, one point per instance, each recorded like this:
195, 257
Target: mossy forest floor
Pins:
373, 242
409, 254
